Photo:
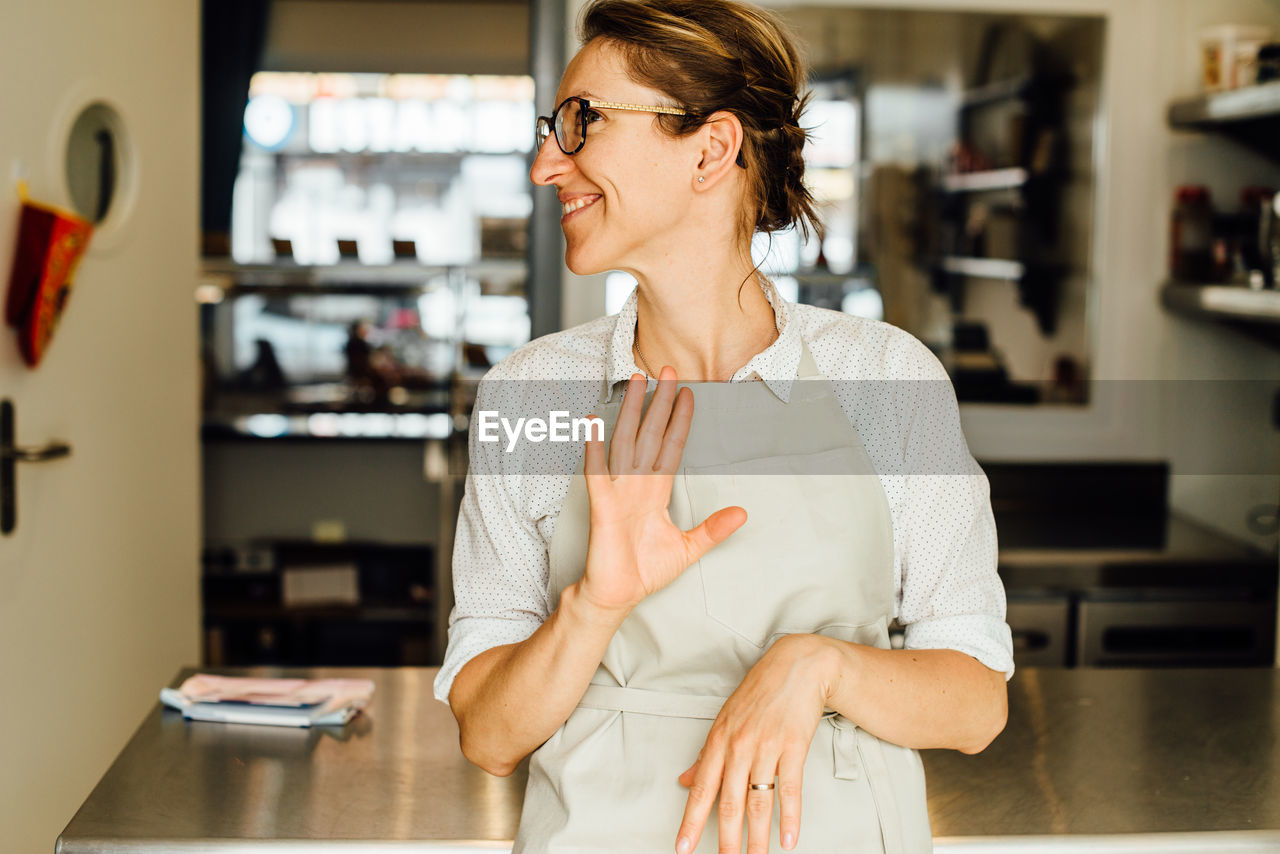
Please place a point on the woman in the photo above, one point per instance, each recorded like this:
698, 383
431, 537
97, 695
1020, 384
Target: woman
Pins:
698, 621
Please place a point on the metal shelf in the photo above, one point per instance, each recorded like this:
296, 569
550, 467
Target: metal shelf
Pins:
984, 268
1250, 115
256, 612
1220, 108
1002, 90
338, 286
1223, 302
825, 279
333, 425
990, 180
367, 278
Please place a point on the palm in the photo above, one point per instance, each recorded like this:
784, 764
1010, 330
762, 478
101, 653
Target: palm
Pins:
634, 549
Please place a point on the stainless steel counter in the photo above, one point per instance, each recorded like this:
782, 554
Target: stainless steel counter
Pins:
1111, 760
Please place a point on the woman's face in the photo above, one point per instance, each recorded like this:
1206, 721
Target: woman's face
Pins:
632, 180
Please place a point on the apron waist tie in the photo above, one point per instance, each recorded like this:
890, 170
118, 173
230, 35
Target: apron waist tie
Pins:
639, 701
671, 704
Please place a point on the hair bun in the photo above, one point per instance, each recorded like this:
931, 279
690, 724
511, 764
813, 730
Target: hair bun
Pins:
712, 55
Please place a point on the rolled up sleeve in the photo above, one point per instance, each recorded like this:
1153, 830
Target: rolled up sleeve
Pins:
951, 593
952, 596
500, 563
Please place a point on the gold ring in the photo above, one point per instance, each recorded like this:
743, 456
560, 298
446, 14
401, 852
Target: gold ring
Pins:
762, 786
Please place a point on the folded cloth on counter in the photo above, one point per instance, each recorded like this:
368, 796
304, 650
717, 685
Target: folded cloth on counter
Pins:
273, 702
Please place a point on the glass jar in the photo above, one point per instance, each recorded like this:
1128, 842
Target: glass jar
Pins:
1191, 235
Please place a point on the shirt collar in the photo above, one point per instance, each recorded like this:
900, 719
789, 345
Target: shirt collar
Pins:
776, 365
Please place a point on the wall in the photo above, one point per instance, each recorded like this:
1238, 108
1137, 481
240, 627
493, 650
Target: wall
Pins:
280, 489
1137, 348
395, 37
98, 584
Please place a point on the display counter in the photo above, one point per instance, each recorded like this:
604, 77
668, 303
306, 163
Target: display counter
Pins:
1097, 760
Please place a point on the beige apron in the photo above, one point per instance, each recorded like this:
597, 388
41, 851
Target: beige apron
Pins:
815, 556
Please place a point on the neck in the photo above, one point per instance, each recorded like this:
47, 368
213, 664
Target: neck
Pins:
705, 322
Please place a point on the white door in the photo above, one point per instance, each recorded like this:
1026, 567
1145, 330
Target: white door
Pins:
99, 581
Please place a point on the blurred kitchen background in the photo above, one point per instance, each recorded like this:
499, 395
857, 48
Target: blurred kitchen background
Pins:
384, 247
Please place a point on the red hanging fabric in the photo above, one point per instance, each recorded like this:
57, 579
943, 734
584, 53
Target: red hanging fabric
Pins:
51, 242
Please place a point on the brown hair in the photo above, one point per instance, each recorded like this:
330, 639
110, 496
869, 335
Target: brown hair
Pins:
711, 55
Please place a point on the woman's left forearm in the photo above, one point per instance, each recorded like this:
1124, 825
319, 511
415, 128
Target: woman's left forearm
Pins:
920, 698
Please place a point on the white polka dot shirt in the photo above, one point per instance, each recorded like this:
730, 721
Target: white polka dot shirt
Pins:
894, 391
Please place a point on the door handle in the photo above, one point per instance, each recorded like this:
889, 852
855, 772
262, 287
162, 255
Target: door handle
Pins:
51, 451
10, 454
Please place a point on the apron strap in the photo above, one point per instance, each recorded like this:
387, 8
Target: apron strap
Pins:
871, 750
854, 749
639, 701
672, 704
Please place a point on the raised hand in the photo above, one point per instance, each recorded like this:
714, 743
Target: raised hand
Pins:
634, 548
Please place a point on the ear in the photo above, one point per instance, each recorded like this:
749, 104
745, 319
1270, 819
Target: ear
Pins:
720, 140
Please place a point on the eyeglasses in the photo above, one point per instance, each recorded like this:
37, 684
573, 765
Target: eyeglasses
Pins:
569, 121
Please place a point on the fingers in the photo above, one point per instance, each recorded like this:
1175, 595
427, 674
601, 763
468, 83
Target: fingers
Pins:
650, 438
702, 794
673, 440
595, 462
790, 777
687, 776
733, 800
714, 529
622, 443
725, 768
594, 467
760, 803
654, 442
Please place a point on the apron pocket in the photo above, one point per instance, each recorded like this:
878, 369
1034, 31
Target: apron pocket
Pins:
816, 550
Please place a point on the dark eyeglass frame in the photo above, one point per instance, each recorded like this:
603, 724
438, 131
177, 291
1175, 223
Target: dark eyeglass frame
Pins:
546, 125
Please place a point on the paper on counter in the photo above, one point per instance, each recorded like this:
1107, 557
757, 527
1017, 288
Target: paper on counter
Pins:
274, 702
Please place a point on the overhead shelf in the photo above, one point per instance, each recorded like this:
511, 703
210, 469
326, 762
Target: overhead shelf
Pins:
1220, 108
1250, 115
1001, 90
990, 180
984, 268
370, 278
255, 612
1038, 284
1223, 302
827, 279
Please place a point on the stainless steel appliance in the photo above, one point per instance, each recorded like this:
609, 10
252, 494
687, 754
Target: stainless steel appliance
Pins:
1098, 574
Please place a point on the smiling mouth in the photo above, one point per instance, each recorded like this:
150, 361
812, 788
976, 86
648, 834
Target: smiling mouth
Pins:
575, 205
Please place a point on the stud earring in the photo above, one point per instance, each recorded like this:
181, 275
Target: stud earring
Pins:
700, 179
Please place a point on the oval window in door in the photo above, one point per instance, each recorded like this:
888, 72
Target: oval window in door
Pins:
95, 147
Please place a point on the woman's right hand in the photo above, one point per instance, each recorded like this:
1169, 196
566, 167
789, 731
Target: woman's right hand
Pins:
634, 548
